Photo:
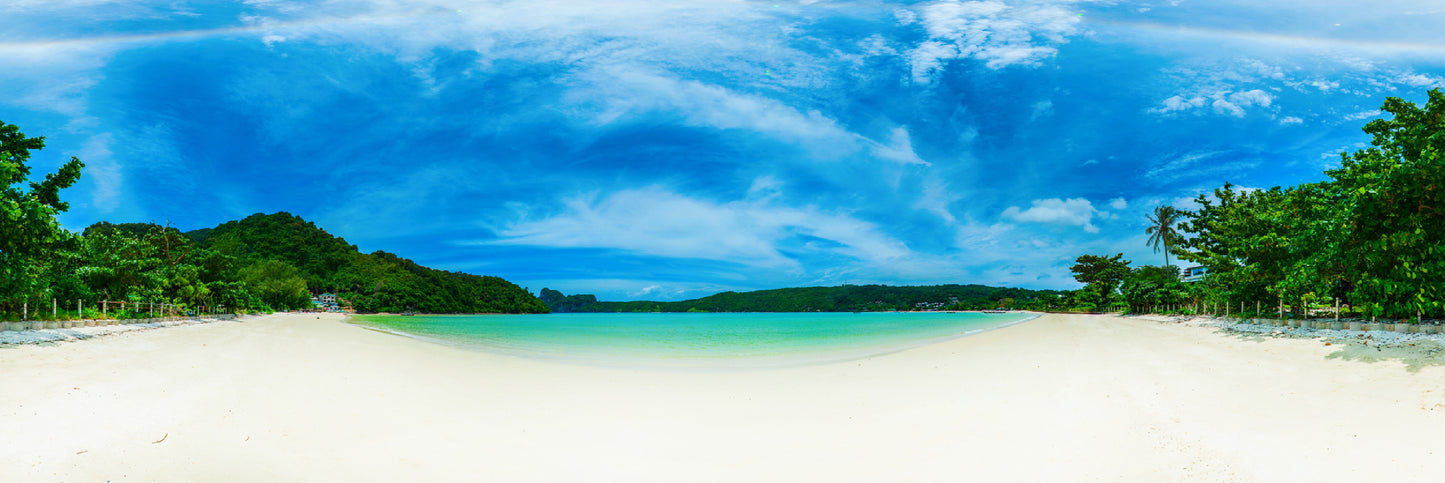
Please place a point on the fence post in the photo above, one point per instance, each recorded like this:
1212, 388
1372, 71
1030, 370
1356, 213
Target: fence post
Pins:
54, 309
25, 311
1337, 309
104, 304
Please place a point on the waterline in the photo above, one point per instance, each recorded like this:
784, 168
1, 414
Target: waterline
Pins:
694, 341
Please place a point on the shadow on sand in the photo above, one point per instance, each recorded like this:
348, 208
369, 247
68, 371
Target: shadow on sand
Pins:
1415, 355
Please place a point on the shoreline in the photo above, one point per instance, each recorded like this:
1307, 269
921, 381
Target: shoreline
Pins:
754, 362
1062, 397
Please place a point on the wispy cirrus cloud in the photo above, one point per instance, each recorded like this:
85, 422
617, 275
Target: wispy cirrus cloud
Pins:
659, 222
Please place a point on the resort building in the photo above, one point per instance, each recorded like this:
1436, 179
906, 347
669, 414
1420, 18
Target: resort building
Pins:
325, 302
1193, 274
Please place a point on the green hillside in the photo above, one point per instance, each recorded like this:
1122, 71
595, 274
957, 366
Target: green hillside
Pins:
371, 282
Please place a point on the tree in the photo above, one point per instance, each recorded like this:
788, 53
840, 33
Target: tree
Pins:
1161, 229
27, 218
278, 284
1243, 237
118, 265
1393, 195
1152, 286
1374, 233
1101, 274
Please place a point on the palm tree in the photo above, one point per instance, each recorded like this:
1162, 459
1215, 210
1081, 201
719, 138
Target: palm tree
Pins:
1161, 229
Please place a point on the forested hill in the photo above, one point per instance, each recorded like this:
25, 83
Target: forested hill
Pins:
372, 282
846, 298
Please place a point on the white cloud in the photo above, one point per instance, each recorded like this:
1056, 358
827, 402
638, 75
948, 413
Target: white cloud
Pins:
765, 188
1421, 80
1291, 120
927, 59
936, 199
899, 149
1178, 167
1180, 103
1267, 71
655, 221
1118, 203
648, 290
1253, 97
1225, 107
1335, 154
1325, 85
991, 31
1362, 115
905, 17
609, 95
103, 172
1042, 109
1224, 102
876, 45
1073, 212
613, 95
1188, 203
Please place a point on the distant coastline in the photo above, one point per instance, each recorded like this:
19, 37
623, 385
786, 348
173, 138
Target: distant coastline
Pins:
843, 298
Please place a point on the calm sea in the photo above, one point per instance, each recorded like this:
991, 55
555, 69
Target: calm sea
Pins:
693, 340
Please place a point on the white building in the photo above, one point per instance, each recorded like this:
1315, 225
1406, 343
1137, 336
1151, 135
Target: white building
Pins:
1193, 274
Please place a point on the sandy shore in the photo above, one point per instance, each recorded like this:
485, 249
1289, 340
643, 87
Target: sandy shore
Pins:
1060, 398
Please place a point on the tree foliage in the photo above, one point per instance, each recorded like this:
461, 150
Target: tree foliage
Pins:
277, 283
1161, 229
1101, 275
29, 233
1150, 286
1393, 217
1371, 234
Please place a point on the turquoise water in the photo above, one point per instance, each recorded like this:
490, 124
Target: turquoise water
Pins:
693, 340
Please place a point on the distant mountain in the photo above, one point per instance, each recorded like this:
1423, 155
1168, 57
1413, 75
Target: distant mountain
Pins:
371, 282
845, 298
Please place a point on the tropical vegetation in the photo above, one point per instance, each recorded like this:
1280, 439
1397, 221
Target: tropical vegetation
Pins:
260, 263
1370, 237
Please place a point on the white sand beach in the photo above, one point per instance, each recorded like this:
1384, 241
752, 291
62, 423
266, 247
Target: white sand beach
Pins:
1060, 398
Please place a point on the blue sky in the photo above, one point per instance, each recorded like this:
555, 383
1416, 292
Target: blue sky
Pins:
673, 149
